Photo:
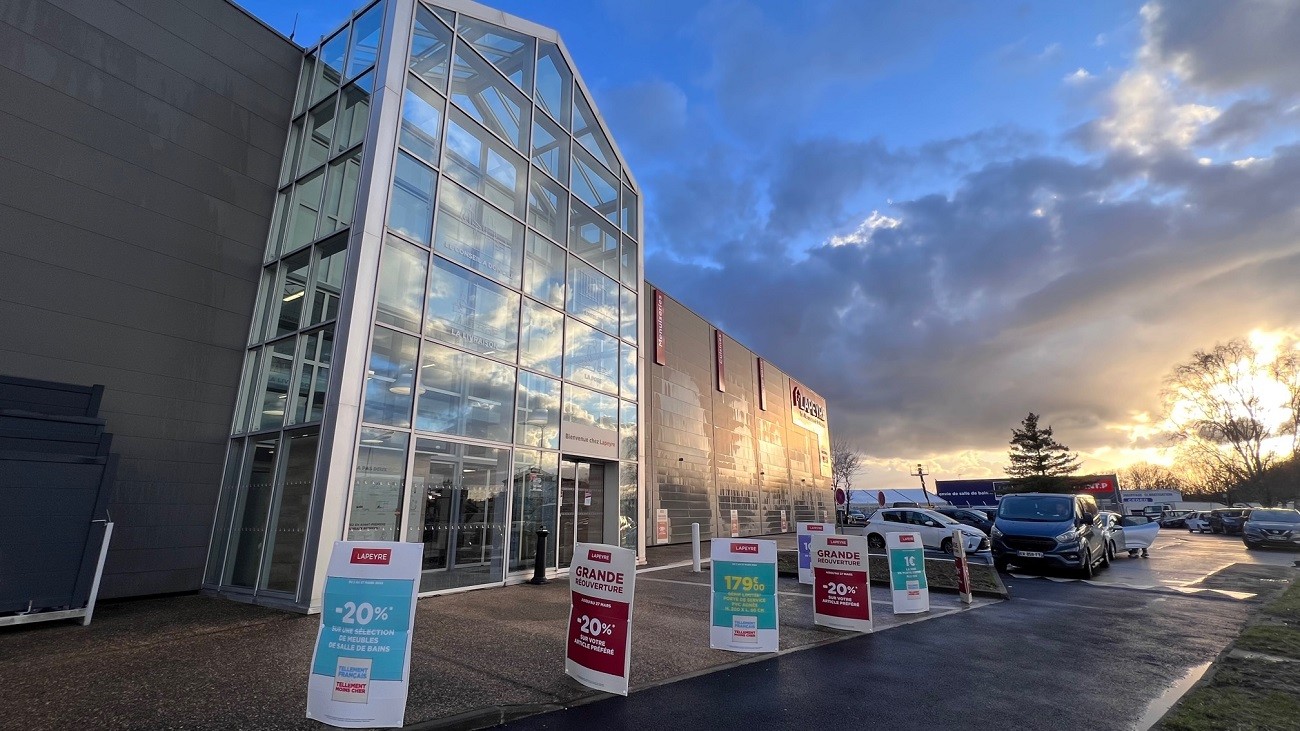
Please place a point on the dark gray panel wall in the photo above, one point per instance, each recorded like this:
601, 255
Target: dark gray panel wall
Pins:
711, 452
142, 140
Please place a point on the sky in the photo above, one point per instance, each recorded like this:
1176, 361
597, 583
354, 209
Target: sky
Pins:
944, 214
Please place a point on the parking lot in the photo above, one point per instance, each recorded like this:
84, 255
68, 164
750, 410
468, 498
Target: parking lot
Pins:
1178, 560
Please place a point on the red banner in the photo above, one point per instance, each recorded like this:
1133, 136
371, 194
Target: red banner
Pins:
661, 353
720, 359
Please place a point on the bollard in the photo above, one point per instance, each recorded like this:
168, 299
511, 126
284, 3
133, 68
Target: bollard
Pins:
695, 547
539, 558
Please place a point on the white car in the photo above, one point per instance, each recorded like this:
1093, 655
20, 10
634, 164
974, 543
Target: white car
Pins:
935, 529
1198, 522
1132, 533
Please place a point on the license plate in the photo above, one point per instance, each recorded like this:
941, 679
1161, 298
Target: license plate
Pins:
1029, 554
1277, 538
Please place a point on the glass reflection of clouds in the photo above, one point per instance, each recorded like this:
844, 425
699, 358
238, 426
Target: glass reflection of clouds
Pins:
590, 408
471, 312
544, 271
483, 164
465, 395
473, 233
593, 238
592, 297
590, 357
537, 420
541, 338
421, 121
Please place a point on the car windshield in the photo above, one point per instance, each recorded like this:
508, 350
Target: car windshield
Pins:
1276, 516
943, 519
1045, 508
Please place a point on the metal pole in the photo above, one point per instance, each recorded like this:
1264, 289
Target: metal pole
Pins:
695, 547
539, 558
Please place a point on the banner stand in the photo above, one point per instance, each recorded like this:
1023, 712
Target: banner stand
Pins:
602, 584
742, 599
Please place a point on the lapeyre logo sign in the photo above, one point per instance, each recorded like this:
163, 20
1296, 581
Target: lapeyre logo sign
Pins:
376, 556
812, 407
601, 585
905, 538
745, 548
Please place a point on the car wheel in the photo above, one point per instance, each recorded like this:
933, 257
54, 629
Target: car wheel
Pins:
1085, 557
1250, 546
1106, 556
946, 546
875, 540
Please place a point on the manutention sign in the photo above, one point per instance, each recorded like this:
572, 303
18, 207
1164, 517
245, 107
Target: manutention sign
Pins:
720, 359
661, 353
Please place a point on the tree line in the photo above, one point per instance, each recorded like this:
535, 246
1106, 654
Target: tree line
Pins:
1231, 420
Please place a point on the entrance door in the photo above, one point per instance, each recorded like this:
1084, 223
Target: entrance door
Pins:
581, 506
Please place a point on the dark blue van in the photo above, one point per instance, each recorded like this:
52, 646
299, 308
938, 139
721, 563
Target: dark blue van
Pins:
1045, 529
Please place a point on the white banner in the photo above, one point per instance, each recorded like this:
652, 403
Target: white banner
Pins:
743, 606
602, 582
360, 669
841, 583
911, 591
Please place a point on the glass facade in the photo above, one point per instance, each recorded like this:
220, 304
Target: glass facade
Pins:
494, 340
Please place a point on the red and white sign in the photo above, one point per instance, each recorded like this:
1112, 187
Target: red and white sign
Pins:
841, 582
602, 581
735, 524
373, 556
963, 570
720, 359
785, 522
661, 525
661, 351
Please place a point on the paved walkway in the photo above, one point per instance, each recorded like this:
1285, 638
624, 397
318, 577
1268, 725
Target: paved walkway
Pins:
199, 662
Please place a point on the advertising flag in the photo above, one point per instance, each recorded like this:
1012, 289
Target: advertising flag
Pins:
742, 606
602, 582
841, 583
360, 669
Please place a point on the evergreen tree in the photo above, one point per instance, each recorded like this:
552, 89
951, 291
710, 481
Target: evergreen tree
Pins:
1038, 461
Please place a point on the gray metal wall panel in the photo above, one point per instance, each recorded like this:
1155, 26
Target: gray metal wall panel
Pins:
142, 143
711, 452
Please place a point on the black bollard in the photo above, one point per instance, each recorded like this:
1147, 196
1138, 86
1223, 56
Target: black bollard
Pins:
539, 558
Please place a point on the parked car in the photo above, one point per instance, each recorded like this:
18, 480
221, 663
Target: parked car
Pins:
1271, 527
935, 529
968, 516
1173, 518
1049, 530
1198, 522
855, 517
1227, 521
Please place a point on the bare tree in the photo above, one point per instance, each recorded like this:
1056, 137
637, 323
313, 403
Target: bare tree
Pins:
845, 460
1285, 369
1148, 476
1217, 414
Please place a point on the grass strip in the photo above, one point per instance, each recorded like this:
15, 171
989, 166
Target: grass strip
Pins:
1251, 693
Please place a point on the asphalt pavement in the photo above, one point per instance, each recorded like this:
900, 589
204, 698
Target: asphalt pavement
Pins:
1062, 653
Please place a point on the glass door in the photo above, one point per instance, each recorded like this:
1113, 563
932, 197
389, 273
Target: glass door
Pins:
581, 506
458, 498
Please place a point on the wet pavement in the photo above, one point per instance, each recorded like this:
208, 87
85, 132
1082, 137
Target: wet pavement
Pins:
199, 662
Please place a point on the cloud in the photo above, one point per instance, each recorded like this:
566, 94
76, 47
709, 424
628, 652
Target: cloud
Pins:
936, 292
1078, 76
1227, 45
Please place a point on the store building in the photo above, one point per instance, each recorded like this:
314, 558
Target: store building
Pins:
734, 444
388, 287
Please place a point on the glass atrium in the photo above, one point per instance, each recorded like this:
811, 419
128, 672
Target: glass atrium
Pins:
445, 347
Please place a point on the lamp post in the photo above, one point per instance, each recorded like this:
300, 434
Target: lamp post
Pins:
920, 472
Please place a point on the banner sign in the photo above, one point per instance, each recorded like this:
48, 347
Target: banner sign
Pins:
721, 359
804, 533
785, 523
762, 386
661, 525
602, 581
809, 411
841, 583
360, 669
742, 606
735, 524
907, 582
661, 352
963, 570
968, 492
